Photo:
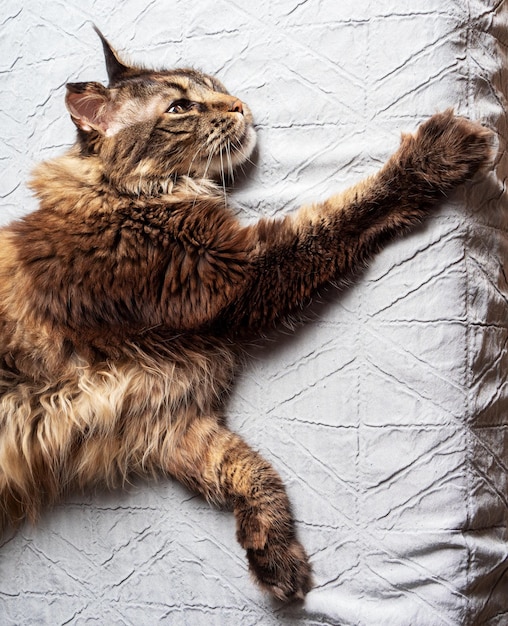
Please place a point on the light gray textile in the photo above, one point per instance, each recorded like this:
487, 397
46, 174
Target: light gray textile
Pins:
386, 415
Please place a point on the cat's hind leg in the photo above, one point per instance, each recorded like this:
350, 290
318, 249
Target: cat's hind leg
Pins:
219, 464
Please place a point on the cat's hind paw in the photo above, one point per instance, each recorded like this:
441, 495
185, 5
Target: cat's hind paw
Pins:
283, 570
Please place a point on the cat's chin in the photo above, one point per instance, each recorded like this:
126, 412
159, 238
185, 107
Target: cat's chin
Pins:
248, 143
226, 162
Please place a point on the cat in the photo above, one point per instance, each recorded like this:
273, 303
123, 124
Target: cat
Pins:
126, 297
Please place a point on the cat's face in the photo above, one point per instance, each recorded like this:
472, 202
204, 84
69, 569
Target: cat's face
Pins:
148, 126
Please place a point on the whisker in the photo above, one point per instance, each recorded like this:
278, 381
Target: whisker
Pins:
237, 147
208, 163
230, 162
223, 177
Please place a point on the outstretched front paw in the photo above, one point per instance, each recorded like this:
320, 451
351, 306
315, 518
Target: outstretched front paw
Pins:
447, 150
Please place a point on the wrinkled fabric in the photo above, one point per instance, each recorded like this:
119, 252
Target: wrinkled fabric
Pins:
387, 414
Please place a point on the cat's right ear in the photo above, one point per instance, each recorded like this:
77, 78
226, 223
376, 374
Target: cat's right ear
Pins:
90, 107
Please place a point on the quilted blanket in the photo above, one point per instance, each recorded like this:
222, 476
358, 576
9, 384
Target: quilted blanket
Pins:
386, 414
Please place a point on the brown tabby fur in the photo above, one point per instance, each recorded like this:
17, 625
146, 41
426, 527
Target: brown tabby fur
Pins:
125, 297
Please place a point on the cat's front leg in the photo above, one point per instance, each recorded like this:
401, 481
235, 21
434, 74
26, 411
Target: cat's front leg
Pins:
220, 465
443, 153
333, 240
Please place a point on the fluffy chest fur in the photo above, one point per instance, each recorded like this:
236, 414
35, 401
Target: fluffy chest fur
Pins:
89, 255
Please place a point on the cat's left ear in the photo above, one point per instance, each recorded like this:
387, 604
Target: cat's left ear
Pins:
91, 108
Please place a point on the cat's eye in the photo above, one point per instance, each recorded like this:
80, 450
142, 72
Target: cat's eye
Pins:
180, 106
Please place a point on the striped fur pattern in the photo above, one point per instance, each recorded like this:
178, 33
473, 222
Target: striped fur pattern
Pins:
126, 297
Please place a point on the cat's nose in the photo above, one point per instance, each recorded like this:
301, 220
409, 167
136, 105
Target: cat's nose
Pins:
236, 107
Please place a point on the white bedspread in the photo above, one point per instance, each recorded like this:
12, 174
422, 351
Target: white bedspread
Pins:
387, 416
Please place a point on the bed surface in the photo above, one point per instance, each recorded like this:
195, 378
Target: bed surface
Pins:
387, 415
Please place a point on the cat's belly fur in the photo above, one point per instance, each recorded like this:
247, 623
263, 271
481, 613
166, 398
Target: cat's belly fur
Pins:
101, 424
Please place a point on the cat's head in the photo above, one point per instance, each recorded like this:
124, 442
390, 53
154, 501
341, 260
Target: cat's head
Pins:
149, 126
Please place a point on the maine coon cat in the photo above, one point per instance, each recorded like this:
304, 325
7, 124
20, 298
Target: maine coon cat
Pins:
125, 299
